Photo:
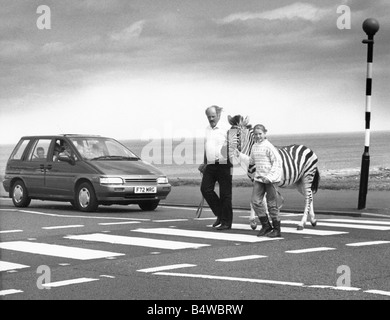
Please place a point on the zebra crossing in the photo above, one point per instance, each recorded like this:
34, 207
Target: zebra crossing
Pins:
173, 238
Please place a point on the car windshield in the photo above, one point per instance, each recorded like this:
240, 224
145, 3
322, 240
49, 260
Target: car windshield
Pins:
96, 148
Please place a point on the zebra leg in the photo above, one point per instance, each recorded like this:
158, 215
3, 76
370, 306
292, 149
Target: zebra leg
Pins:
312, 217
305, 190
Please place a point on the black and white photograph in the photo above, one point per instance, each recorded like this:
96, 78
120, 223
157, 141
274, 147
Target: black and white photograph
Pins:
195, 157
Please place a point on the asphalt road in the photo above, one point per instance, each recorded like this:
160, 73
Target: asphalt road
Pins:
51, 252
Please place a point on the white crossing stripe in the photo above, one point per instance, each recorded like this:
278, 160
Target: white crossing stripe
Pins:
211, 277
284, 229
206, 235
342, 225
9, 291
170, 267
377, 222
64, 227
367, 243
310, 250
136, 241
57, 250
5, 266
255, 256
67, 282
381, 292
10, 231
170, 220
114, 223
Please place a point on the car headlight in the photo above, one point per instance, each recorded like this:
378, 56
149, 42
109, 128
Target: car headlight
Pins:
162, 180
111, 180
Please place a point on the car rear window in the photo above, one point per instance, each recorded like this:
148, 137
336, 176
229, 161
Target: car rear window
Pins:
19, 149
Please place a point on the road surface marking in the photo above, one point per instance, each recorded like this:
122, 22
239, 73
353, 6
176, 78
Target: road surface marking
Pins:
73, 216
64, 227
57, 250
5, 266
135, 241
206, 235
9, 291
310, 250
170, 267
67, 282
170, 220
255, 256
114, 223
341, 225
343, 288
358, 221
10, 231
316, 232
381, 292
367, 243
205, 276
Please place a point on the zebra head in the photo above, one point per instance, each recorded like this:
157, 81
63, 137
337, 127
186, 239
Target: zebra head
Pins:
239, 134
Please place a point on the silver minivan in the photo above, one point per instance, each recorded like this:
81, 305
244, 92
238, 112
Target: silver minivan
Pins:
85, 170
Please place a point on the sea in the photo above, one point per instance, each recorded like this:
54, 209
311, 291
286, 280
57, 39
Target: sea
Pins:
180, 158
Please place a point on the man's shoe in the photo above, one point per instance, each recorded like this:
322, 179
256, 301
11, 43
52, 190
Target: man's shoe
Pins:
217, 223
224, 227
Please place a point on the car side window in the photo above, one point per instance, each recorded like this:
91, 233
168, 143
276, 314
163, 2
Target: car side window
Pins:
39, 150
62, 149
19, 149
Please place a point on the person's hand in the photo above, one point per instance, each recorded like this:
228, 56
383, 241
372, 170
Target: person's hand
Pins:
202, 167
236, 153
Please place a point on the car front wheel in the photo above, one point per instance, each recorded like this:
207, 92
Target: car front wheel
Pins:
149, 205
19, 194
85, 198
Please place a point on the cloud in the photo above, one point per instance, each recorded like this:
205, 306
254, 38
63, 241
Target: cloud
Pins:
299, 10
129, 33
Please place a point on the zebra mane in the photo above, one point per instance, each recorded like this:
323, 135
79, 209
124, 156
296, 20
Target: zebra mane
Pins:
239, 121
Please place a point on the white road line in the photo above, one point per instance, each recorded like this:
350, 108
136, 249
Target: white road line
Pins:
73, 216
205, 276
316, 232
135, 241
381, 292
334, 288
358, 221
57, 250
10, 231
67, 282
170, 220
5, 266
64, 227
170, 267
255, 256
310, 250
367, 243
9, 291
115, 223
206, 235
341, 225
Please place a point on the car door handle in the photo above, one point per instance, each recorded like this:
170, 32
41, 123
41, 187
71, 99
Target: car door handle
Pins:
49, 167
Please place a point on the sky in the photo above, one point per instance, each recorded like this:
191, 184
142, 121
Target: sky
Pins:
142, 69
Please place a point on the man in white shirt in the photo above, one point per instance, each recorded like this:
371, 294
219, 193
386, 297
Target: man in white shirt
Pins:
217, 168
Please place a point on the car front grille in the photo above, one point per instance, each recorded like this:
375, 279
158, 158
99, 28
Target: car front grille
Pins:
135, 180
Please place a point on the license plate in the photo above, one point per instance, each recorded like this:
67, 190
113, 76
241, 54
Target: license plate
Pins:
145, 189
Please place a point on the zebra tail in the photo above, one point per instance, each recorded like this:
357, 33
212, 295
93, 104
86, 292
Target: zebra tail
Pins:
316, 181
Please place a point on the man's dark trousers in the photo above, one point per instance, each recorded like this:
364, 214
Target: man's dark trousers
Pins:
220, 205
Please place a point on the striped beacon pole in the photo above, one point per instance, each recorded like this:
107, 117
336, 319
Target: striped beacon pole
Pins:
370, 27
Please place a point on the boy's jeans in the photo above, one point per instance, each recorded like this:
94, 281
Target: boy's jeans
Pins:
269, 189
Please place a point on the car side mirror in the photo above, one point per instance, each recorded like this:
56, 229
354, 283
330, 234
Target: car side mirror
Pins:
67, 159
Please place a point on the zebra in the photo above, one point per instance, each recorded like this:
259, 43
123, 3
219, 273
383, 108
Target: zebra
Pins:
299, 166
